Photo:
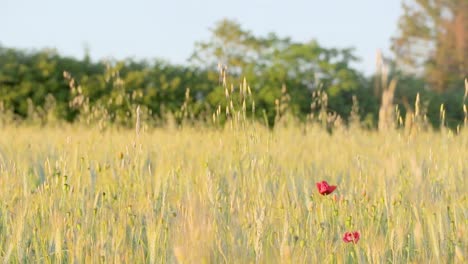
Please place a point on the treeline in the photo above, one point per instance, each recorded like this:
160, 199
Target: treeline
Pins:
282, 75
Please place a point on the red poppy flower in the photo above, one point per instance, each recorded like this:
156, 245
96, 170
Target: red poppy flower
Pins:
351, 237
324, 188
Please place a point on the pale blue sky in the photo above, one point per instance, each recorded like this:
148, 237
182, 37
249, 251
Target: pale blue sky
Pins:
169, 29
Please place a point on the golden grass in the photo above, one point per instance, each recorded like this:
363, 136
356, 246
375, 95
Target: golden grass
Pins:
199, 195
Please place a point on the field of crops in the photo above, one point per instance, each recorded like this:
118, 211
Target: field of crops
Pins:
242, 194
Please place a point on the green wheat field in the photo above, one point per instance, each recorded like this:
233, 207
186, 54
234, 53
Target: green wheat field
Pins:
238, 194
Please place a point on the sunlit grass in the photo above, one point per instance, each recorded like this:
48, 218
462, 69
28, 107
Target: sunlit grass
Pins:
240, 195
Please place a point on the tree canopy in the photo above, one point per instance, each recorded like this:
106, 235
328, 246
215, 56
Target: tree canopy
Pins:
433, 41
281, 73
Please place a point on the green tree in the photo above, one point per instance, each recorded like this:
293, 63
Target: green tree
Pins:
271, 62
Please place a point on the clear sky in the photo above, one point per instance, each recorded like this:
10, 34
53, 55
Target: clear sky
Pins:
168, 29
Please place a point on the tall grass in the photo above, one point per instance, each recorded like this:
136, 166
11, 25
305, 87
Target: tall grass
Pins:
239, 194
234, 191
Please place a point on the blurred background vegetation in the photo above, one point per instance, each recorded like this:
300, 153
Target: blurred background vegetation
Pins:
431, 59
